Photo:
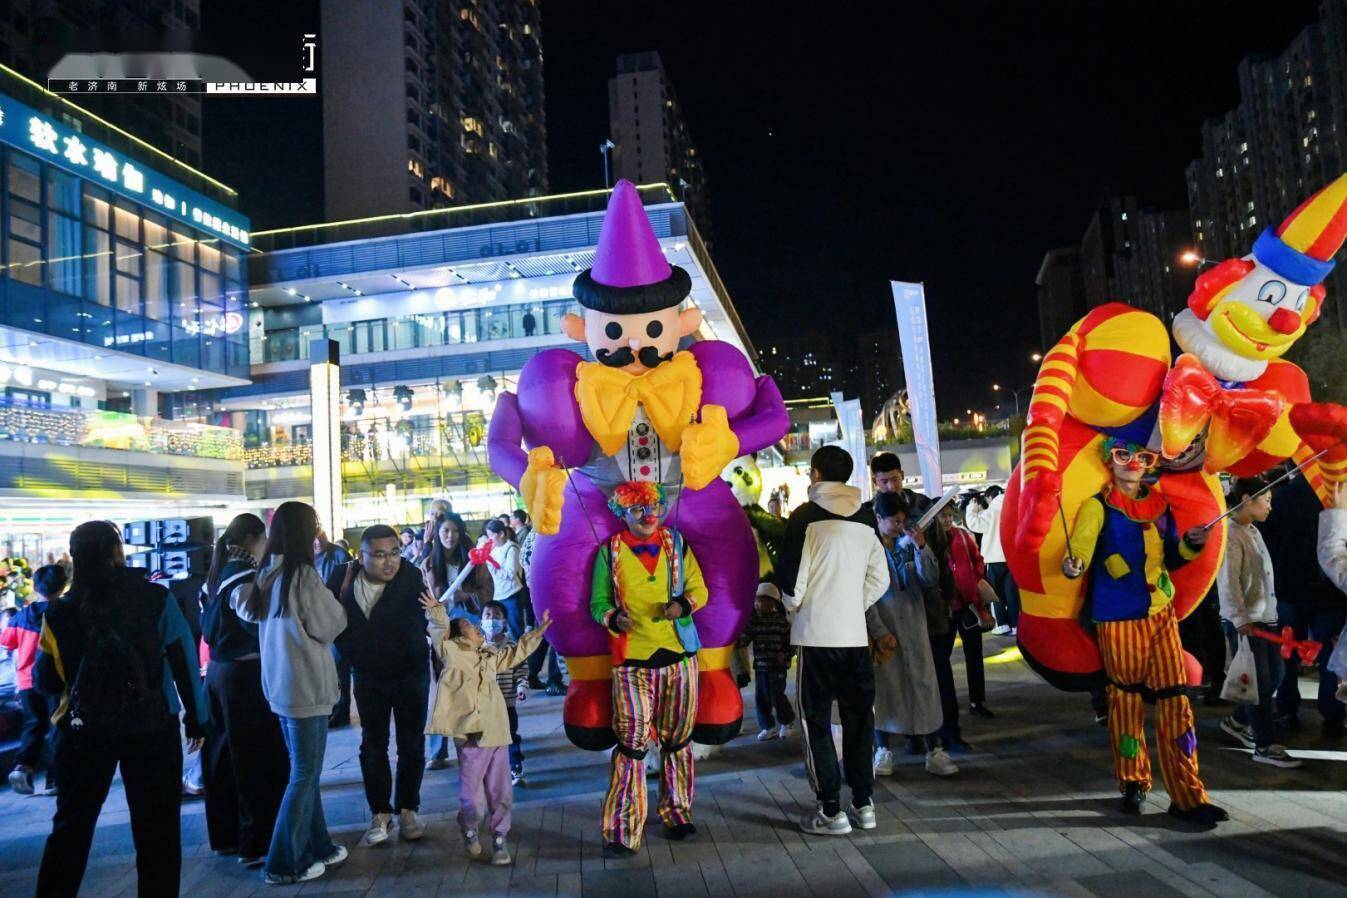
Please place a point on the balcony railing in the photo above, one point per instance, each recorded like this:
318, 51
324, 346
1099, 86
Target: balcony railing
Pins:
117, 430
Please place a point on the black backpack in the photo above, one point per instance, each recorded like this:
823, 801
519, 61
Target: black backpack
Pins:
118, 689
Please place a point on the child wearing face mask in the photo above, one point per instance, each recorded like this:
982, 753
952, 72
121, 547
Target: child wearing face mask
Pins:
512, 681
469, 706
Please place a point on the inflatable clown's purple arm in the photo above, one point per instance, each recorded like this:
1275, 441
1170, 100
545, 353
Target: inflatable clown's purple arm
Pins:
753, 405
543, 413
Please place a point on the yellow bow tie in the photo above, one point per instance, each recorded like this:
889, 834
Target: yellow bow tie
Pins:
670, 394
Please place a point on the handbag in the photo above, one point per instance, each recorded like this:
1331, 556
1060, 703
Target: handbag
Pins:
1241, 679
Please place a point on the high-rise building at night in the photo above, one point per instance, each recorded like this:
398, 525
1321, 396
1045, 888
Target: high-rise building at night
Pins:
651, 135
1285, 140
1061, 293
34, 36
429, 104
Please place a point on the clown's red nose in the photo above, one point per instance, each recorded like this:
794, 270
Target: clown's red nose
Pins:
1284, 321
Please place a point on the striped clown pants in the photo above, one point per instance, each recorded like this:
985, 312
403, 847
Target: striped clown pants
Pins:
662, 700
1146, 655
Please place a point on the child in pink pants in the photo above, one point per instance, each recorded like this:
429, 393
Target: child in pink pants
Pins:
469, 706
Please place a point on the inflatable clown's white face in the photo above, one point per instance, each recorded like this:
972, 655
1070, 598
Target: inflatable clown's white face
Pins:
1248, 322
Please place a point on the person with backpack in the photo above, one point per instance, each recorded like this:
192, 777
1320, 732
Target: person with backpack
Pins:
120, 655
297, 619
21, 637
245, 764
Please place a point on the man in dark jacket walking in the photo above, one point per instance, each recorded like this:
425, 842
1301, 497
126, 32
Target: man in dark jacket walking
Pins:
1307, 601
385, 641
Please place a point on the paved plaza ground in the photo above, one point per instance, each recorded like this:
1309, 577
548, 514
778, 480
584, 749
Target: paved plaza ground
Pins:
1032, 812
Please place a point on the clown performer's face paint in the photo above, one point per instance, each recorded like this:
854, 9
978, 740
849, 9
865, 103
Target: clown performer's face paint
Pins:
1130, 467
635, 343
643, 520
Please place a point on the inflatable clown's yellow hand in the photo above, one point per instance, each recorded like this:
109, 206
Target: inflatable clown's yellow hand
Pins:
542, 487
707, 447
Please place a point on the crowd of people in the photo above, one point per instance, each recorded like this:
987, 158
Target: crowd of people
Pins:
431, 635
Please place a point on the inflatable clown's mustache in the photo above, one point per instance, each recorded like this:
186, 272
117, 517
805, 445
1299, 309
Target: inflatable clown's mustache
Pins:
621, 358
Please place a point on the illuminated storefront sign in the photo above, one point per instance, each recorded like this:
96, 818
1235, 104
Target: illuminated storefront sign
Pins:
23, 376
48, 139
228, 323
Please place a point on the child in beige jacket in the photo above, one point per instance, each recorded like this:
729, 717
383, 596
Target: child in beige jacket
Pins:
468, 705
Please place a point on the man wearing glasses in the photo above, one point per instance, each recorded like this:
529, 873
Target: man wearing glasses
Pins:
1125, 536
646, 586
385, 641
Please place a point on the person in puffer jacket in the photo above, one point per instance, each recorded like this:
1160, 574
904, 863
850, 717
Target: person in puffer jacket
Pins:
831, 570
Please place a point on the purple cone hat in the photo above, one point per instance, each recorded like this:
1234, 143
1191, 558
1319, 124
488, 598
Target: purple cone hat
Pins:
630, 274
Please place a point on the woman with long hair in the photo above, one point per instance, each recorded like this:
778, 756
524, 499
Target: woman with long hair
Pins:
245, 763
114, 648
297, 619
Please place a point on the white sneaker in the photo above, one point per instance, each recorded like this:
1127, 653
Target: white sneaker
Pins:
764, 735
1000, 630
336, 857
938, 763
883, 762
1241, 733
785, 731
314, 871
409, 826
1276, 755
500, 854
472, 844
820, 824
380, 828
864, 817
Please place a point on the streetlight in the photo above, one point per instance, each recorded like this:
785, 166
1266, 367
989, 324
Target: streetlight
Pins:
1036, 357
1193, 257
996, 387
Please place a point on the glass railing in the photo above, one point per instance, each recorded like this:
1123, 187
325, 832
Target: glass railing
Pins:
449, 217
117, 430
461, 437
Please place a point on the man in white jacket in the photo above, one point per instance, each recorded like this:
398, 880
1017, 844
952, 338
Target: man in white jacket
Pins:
830, 571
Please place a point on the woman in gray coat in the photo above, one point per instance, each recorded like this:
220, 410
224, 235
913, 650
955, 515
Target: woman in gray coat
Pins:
907, 699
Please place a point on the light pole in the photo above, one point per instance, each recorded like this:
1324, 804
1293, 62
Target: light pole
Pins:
605, 148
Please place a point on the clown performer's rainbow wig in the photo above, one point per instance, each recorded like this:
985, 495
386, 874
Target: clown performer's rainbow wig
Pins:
634, 493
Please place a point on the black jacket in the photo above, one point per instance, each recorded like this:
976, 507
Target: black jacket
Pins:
1292, 535
390, 643
228, 637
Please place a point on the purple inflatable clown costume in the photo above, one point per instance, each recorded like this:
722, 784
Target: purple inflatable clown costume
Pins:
643, 411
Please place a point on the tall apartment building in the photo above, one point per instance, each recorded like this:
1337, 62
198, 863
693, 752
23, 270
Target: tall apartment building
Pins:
651, 136
34, 35
1285, 139
429, 104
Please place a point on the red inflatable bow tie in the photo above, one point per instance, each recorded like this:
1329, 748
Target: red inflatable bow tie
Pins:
480, 555
1239, 419
1307, 648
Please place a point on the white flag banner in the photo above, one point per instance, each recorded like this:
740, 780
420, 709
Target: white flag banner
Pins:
909, 301
853, 440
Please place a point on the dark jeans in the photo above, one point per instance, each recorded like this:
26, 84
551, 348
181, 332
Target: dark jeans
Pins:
545, 653
972, 656
301, 837
942, 644
1321, 621
37, 707
514, 614
516, 744
404, 700
151, 765
1008, 608
845, 676
769, 691
1267, 665
341, 712
245, 765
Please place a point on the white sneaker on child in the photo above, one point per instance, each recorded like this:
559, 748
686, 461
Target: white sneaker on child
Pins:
820, 824
409, 826
785, 731
471, 844
864, 817
938, 763
500, 855
883, 762
764, 735
380, 828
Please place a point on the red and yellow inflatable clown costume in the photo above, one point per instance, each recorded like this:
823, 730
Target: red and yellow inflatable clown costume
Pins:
1228, 403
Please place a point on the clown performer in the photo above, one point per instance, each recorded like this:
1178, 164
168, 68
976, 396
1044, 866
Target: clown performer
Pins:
1229, 403
1127, 539
646, 411
646, 587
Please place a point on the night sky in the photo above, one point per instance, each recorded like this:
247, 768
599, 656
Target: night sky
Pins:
847, 145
